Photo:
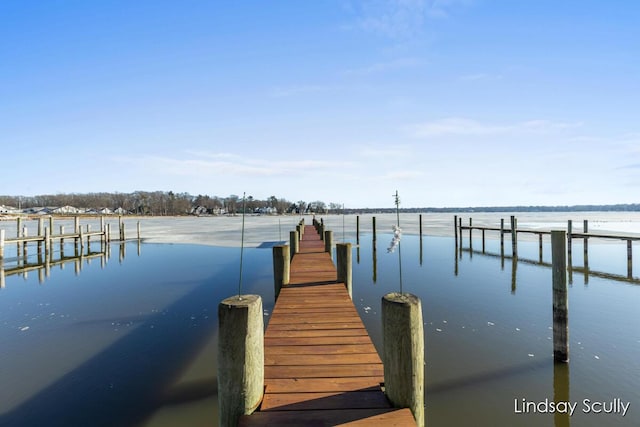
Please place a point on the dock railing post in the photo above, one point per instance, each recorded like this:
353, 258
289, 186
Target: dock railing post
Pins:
403, 352
343, 255
560, 300
240, 357
294, 243
281, 267
328, 242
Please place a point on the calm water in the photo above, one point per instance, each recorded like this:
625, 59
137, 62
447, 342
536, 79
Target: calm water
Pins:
131, 340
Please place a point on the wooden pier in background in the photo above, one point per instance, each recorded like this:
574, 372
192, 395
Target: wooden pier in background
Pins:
585, 235
320, 365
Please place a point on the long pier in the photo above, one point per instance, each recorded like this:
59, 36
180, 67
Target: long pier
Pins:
320, 365
585, 235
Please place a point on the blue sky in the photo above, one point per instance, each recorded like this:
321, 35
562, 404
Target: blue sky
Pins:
451, 102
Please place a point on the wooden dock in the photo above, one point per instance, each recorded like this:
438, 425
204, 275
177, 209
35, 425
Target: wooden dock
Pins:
320, 366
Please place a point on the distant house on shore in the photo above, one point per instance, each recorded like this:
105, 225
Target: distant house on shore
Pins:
8, 209
120, 211
67, 210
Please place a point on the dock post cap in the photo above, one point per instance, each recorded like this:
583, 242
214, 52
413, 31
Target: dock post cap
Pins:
401, 298
240, 300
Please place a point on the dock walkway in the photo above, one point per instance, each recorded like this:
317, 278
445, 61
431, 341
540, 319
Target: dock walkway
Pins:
321, 367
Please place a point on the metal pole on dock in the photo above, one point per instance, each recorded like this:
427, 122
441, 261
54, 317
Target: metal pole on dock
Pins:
343, 265
358, 229
420, 224
560, 300
403, 352
281, 267
240, 357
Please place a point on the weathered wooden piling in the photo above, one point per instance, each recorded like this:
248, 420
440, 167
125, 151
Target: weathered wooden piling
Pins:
281, 267
25, 233
455, 229
470, 237
569, 242
403, 352
373, 220
321, 231
328, 242
240, 357
344, 266
629, 260
502, 237
2, 237
514, 236
40, 233
540, 245
460, 228
483, 245
585, 230
138, 227
294, 243
560, 297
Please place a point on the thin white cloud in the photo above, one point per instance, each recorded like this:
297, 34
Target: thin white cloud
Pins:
402, 175
294, 90
377, 152
203, 164
470, 127
399, 19
480, 77
388, 66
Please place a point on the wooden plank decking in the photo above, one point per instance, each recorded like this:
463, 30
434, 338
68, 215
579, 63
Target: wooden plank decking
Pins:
321, 367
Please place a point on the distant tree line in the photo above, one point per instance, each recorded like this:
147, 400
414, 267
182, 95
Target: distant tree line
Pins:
169, 203
166, 203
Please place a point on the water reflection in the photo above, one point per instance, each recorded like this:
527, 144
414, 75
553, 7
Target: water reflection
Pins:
561, 392
585, 270
43, 263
